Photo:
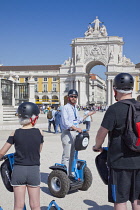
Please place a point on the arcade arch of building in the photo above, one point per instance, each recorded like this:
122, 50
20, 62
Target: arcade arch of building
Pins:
95, 48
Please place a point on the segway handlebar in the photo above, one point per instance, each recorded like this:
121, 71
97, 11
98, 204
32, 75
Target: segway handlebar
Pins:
83, 131
6, 156
101, 148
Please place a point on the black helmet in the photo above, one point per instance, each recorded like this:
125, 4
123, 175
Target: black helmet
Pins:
72, 92
123, 81
27, 110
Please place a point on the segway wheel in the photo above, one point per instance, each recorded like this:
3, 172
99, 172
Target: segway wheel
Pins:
58, 183
87, 179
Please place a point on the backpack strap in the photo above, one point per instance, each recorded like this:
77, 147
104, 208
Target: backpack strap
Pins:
130, 114
132, 105
126, 102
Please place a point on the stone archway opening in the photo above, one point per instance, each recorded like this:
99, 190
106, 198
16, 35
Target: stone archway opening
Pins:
93, 64
45, 98
54, 98
37, 98
99, 70
96, 80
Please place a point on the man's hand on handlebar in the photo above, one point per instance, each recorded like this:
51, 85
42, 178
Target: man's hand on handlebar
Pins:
79, 130
95, 149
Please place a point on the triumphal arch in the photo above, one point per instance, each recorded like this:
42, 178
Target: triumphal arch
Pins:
95, 48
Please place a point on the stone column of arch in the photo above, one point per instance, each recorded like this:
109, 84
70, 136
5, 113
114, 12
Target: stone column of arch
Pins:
112, 92
76, 87
82, 92
134, 95
113, 99
109, 91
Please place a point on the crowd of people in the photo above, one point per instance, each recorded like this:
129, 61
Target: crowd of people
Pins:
123, 163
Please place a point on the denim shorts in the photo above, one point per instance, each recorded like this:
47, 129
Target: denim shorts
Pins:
25, 175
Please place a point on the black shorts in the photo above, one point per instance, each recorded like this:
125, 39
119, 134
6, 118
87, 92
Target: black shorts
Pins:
123, 185
25, 175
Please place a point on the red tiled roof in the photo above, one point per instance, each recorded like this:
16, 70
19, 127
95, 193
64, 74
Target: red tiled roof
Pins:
92, 76
30, 68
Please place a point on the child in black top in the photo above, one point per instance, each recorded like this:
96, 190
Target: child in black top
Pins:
28, 143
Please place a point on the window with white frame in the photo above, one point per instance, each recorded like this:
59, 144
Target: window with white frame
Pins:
45, 87
36, 79
66, 87
45, 79
54, 79
54, 87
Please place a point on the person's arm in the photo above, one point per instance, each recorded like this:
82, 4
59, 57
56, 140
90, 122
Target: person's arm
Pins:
76, 129
100, 137
41, 145
89, 114
4, 149
7, 145
91, 118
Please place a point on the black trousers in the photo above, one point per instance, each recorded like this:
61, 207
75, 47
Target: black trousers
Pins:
49, 126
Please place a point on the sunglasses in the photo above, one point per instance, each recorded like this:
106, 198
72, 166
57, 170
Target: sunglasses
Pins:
73, 96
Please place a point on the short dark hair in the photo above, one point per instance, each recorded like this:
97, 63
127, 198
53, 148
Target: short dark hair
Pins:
52, 107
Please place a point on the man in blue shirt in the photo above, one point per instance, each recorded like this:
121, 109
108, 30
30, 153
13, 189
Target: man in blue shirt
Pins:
70, 121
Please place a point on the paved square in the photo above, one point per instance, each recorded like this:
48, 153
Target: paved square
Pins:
93, 199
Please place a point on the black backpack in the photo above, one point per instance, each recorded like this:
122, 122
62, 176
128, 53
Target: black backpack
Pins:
131, 135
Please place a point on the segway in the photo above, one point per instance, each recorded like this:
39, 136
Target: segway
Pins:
6, 171
53, 206
60, 183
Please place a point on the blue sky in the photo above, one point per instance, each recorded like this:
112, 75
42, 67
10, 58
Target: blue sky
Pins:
39, 32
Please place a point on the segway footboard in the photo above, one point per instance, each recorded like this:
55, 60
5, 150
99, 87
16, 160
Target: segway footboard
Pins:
58, 166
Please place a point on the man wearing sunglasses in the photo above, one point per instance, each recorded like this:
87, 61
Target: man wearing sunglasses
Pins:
70, 121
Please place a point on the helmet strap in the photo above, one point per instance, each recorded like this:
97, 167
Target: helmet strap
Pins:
33, 121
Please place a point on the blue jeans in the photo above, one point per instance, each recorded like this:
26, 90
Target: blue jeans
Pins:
56, 128
87, 125
49, 126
